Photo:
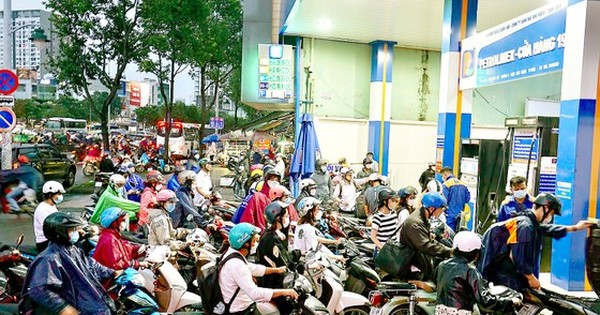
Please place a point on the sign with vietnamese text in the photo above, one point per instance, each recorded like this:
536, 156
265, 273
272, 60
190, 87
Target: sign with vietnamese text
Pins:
217, 123
135, 96
525, 146
529, 45
275, 71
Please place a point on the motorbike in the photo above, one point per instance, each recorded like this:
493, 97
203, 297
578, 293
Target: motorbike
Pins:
361, 277
129, 287
90, 168
101, 181
12, 275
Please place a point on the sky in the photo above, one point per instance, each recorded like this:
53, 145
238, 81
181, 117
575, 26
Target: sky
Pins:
184, 84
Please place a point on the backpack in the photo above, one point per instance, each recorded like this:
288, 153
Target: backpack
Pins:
210, 290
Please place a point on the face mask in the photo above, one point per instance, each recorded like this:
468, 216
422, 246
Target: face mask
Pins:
272, 183
170, 207
286, 222
158, 187
520, 194
318, 215
411, 202
123, 226
254, 248
324, 169
59, 199
74, 237
313, 192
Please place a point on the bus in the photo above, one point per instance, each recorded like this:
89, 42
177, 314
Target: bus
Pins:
62, 125
176, 137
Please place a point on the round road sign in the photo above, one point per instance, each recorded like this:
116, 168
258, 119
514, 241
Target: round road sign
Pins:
8, 119
9, 82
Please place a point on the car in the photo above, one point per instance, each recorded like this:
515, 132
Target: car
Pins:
49, 161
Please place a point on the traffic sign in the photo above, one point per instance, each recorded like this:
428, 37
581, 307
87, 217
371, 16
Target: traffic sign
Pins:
9, 82
8, 119
217, 123
7, 100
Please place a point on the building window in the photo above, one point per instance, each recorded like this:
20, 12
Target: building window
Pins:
35, 13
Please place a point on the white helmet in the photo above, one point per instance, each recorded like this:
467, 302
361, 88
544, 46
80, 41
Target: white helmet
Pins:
434, 186
466, 241
306, 183
185, 176
53, 187
117, 179
307, 204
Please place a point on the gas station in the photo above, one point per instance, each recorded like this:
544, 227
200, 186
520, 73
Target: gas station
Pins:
517, 90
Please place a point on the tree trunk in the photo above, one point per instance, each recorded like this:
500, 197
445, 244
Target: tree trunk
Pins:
203, 108
104, 127
235, 115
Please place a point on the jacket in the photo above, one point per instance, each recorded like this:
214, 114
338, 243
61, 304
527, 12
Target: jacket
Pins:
134, 182
62, 275
237, 216
160, 229
272, 252
116, 253
185, 207
173, 183
458, 196
510, 208
520, 237
323, 185
416, 234
425, 177
147, 202
110, 198
255, 211
461, 286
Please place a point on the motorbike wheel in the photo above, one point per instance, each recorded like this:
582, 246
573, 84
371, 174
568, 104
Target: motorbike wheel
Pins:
89, 170
404, 310
356, 310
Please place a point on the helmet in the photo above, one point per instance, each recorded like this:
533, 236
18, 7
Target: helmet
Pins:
321, 162
179, 169
367, 161
466, 241
185, 176
241, 234
551, 201
154, 176
123, 169
274, 209
116, 179
56, 225
129, 165
434, 185
23, 159
434, 199
307, 204
375, 177
278, 192
307, 183
52, 187
203, 162
430, 164
269, 171
345, 170
384, 194
407, 191
166, 195
110, 215
257, 172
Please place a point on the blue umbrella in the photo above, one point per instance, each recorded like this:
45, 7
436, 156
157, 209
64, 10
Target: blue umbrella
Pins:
211, 138
307, 145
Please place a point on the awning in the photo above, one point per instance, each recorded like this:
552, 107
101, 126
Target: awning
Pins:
259, 123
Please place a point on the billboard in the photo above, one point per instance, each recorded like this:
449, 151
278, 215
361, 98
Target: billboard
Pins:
135, 97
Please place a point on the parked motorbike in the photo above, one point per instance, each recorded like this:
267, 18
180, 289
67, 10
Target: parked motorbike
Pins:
101, 181
132, 299
12, 275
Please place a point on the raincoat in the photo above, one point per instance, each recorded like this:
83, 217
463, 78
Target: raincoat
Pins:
148, 201
237, 216
160, 229
513, 248
255, 210
61, 276
134, 182
458, 196
323, 181
185, 207
510, 208
111, 198
114, 252
173, 183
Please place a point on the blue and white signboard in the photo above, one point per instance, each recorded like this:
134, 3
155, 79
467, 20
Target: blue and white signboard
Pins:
525, 145
529, 45
217, 123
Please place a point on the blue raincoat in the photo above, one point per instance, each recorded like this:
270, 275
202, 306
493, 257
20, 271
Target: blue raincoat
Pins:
173, 183
63, 275
137, 183
521, 236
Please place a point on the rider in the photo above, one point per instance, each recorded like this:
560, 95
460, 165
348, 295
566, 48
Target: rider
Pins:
203, 183
154, 184
386, 222
53, 194
322, 179
173, 183
62, 279
255, 210
460, 286
512, 249
416, 233
185, 205
307, 237
161, 231
520, 200
371, 203
134, 185
408, 195
112, 250
113, 197
106, 164
308, 188
235, 277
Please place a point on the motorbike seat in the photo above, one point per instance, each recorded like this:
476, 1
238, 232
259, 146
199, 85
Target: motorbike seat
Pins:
394, 285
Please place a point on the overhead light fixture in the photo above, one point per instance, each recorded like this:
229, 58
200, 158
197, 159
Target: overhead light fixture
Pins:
325, 24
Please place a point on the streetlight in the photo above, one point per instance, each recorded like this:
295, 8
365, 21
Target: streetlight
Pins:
39, 39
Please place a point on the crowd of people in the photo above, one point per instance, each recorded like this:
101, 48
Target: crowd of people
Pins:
270, 223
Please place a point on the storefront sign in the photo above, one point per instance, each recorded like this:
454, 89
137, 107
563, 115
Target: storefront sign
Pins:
262, 145
525, 146
275, 71
529, 45
135, 95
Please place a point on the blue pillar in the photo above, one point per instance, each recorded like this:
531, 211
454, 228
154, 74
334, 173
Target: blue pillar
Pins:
578, 141
380, 106
454, 118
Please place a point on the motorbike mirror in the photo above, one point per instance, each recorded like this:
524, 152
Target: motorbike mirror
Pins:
20, 239
296, 255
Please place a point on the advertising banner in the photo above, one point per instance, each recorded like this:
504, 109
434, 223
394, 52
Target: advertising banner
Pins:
275, 71
135, 96
529, 45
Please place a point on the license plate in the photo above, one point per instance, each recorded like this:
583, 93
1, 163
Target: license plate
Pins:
375, 311
528, 309
98, 184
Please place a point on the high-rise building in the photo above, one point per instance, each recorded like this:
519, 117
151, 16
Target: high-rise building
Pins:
27, 58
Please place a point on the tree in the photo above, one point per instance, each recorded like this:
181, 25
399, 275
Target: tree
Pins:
170, 48
95, 35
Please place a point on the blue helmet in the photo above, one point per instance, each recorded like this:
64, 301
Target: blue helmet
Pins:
110, 215
241, 234
434, 199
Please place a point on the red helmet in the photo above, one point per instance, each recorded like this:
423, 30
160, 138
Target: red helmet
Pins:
278, 192
166, 195
154, 176
23, 159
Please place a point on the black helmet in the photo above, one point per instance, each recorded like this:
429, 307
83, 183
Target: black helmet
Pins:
384, 194
551, 201
56, 225
407, 191
322, 162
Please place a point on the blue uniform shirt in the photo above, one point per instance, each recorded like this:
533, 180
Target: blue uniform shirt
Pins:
458, 196
510, 208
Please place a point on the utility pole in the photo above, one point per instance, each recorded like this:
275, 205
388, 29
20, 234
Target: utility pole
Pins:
7, 136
